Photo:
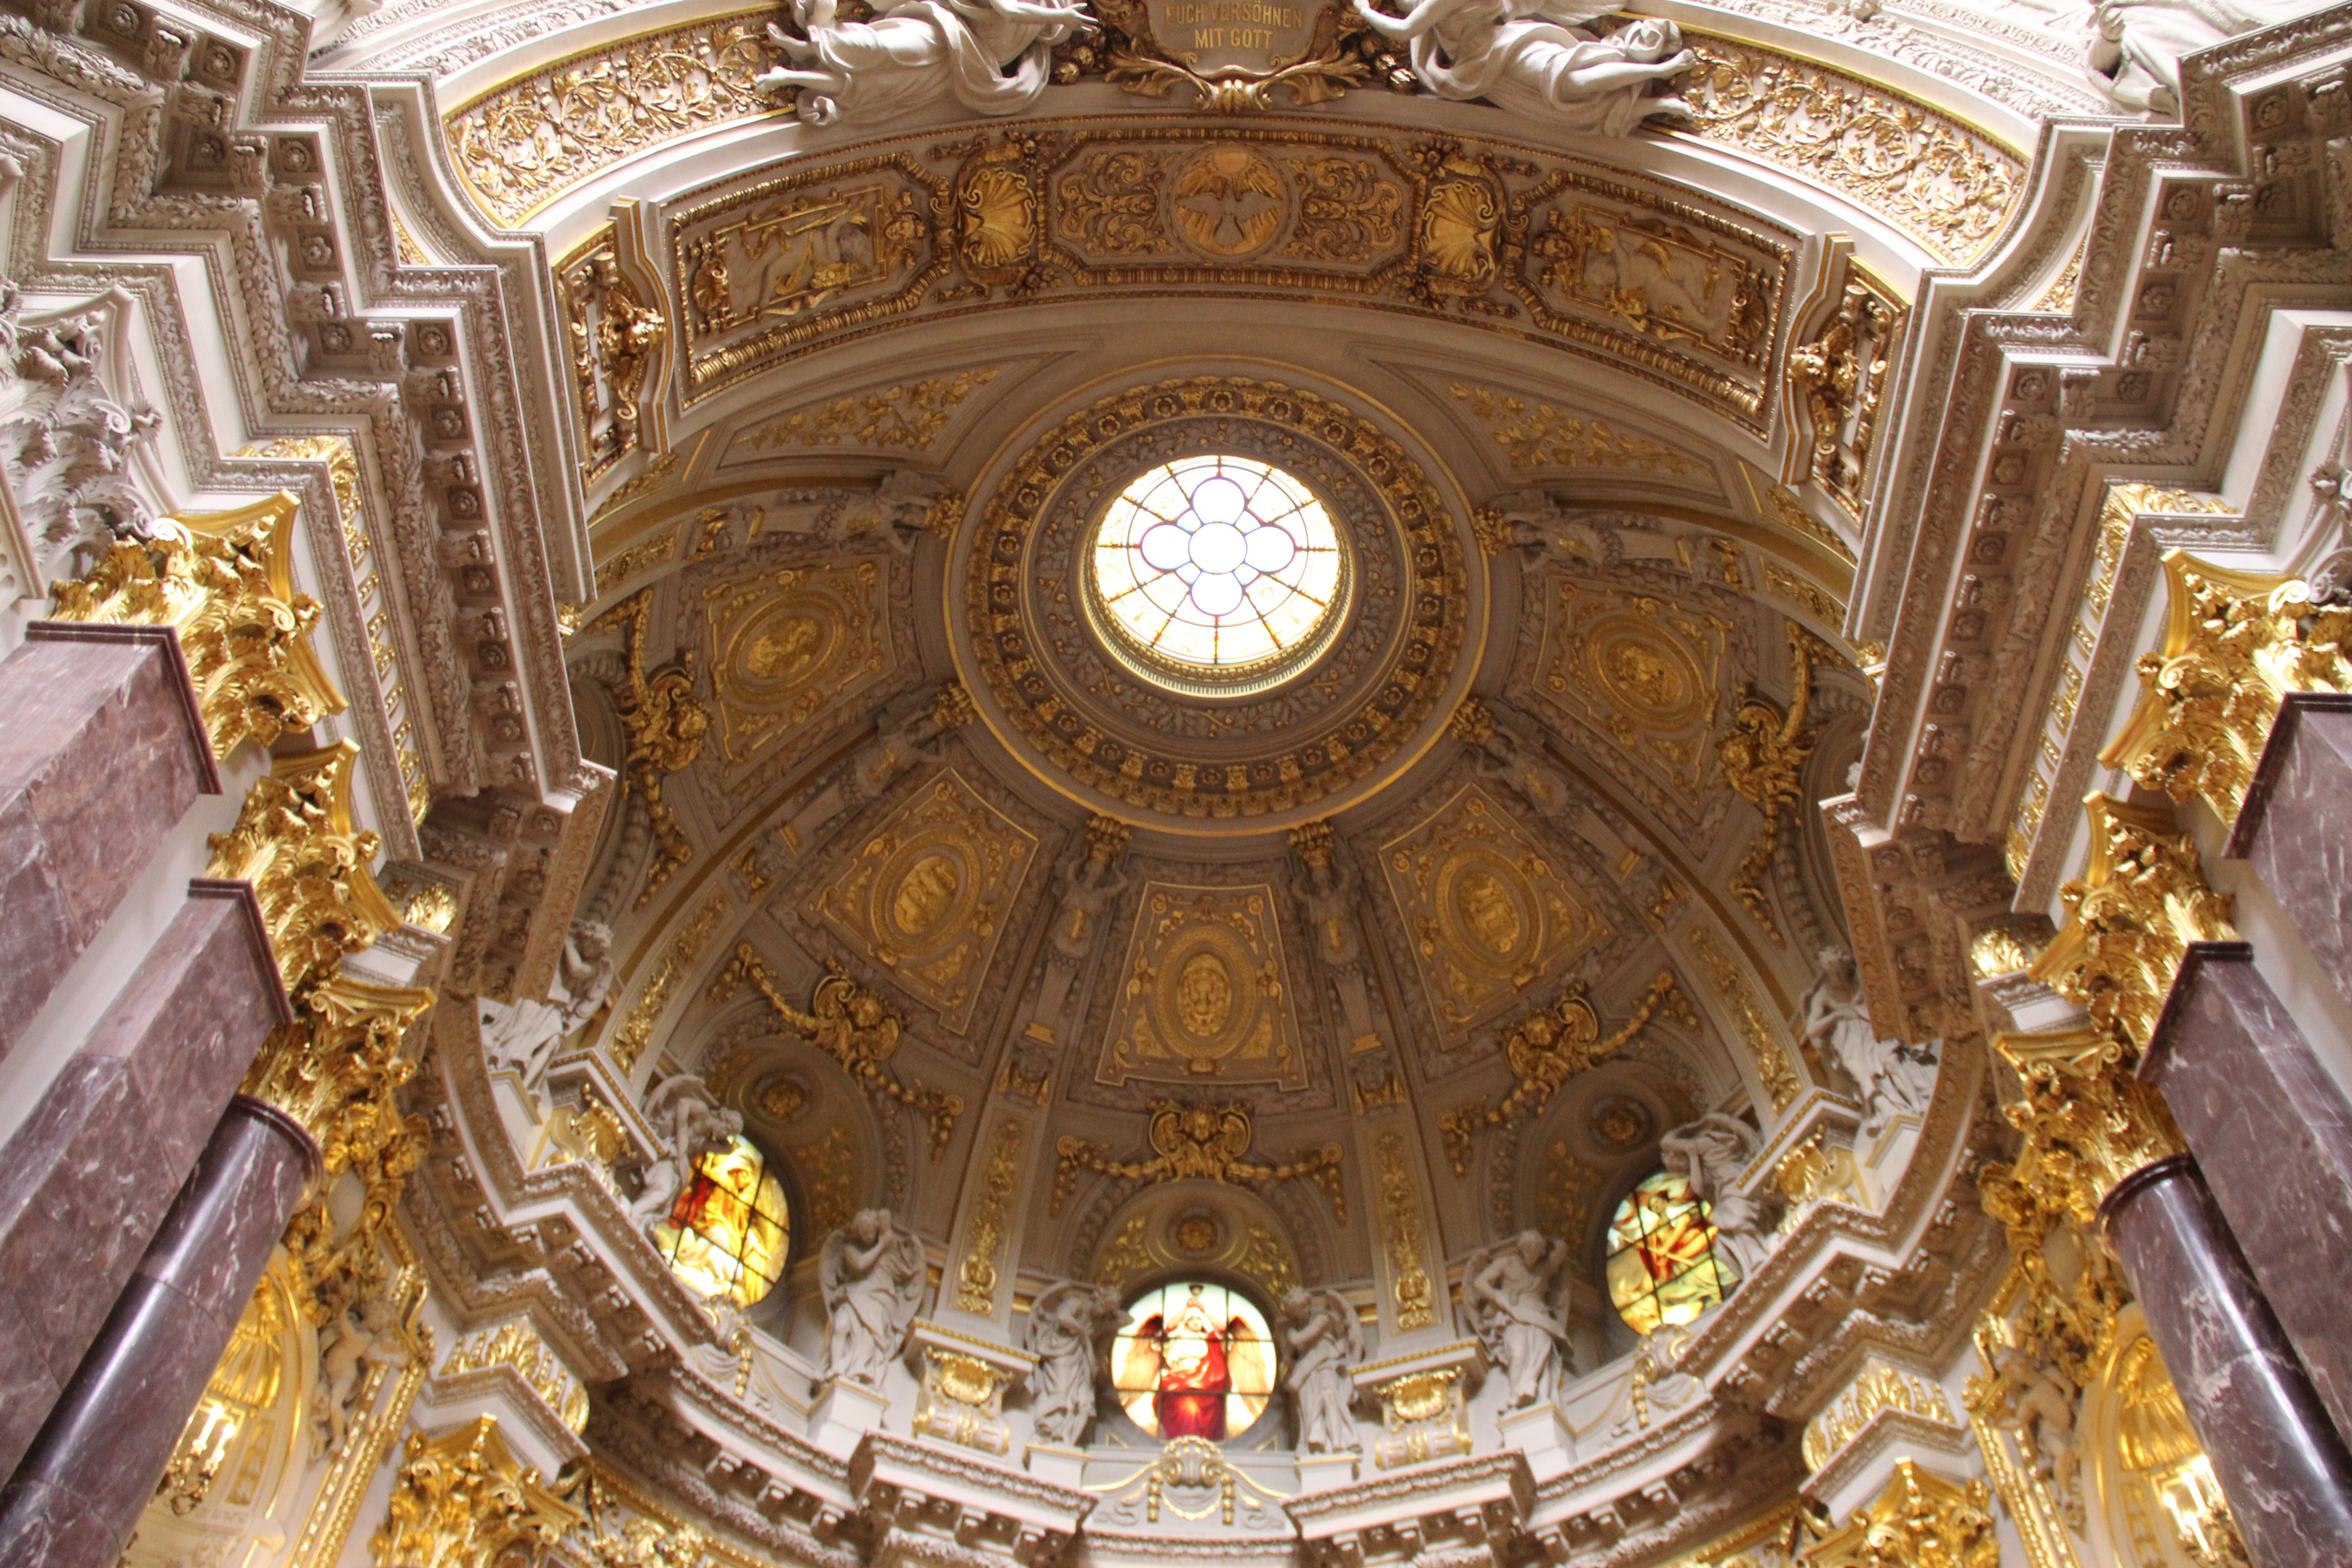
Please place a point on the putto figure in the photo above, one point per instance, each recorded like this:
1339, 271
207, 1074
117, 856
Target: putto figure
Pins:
1066, 1326
871, 1276
1541, 58
1507, 1290
993, 56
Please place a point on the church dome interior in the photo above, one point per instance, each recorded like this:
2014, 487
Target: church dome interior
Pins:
1279, 783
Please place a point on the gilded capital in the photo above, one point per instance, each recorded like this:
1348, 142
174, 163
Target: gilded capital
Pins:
1920, 1521
295, 842
2235, 643
336, 1067
225, 584
2130, 917
2087, 1121
463, 1500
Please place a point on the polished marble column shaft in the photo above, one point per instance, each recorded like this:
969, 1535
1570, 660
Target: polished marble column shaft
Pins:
86, 1178
77, 1497
2271, 1135
101, 752
2277, 1456
2295, 830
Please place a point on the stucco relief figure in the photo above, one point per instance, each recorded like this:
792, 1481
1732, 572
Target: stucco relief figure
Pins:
1326, 1342
899, 743
871, 1276
688, 1124
1894, 1079
1710, 1153
993, 56
2044, 1409
1507, 1290
362, 1338
525, 1035
1068, 1325
1540, 58
2134, 47
1090, 883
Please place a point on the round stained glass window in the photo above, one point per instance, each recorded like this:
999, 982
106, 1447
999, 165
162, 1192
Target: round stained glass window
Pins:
727, 1232
1194, 1360
1217, 574
1664, 1266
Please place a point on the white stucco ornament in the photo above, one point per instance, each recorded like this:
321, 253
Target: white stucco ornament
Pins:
1541, 58
2135, 46
993, 56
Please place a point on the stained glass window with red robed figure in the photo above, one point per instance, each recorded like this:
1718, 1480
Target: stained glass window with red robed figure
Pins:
1664, 1266
728, 1232
1195, 1361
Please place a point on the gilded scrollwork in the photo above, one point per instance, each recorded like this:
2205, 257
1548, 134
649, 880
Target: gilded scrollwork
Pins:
1638, 673
295, 841
1920, 1521
1551, 1044
1538, 436
665, 724
617, 340
1843, 374
908, 416
1763, 754
463, 1499
856, 1028
790, 648
1198, 1142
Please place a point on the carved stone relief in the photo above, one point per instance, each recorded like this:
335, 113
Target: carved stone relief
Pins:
1207, 991
1640, 674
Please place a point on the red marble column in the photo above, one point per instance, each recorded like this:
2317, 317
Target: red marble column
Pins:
2277, 1456
76, 1498
2273, 1137
86, 1178
101, 752
2294, 831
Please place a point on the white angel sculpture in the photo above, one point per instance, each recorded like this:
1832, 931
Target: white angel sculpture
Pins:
1507, 1290
1067, 1325
689, 1122
2134, 47
871, 1276
1540, 58
525, 1034
1326, 1344
1894, 1079
993, 55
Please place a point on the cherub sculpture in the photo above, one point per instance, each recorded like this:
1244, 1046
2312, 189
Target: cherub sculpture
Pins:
363, 1336
1326, 1344
1507, 1290
870, 1275
993, 56
1540, 58
690, 1123
1068, 1324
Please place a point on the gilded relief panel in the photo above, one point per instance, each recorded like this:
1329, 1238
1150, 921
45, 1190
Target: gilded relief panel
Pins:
1642, 673
927, 897
785, 646
1206, 993
1485, 908
1485, 233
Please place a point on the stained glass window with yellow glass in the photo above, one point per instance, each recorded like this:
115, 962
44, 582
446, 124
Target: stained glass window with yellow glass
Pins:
728, 1232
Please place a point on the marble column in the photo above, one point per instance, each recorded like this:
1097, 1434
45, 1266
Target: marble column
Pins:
2273, 1137
2278, 1457
77, 1497
2296, 822
86, 1180
101, 752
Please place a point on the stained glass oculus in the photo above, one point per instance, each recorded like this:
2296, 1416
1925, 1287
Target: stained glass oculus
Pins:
1664, 1266
1195, 1361
727, 1232
1217, 570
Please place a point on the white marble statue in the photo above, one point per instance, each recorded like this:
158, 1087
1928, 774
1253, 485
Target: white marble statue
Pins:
1659, 1386
1066, 1327
688, 1122
2134, 47
1894, 1079
1325, 1344
362, 1338
1710, 1152
871, 1276
993, 56
525, 1035
1507, 1290
1540, 58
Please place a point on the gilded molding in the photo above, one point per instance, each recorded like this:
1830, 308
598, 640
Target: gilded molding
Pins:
665, 726
2235, 643
294, 841
1541, 436
1920, 1521
910, 416
1763, 754
515, 1344
976, 1278
1546, 1048
685, 946
1403, 1240
224, 583
1738, 995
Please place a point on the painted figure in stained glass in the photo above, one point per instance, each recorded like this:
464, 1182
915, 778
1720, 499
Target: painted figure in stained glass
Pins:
1199, 1363
1664, 1267
726, 1233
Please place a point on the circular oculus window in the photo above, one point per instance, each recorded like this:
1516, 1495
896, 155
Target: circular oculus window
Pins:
1217, 576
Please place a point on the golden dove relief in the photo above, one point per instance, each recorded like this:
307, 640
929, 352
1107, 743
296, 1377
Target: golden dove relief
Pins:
927, 896
1486, 907
1206, 994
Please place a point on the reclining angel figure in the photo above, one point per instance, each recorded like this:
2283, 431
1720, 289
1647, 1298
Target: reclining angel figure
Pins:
994, 56
1541, 58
